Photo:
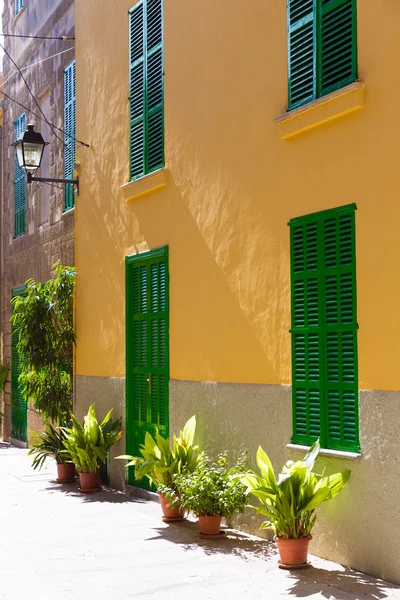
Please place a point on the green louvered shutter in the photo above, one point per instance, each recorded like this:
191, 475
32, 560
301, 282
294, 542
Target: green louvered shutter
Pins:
69, 132
19, 182
322, 48
306, 335
301, 50
339, 281
147, 348
338, 53
324, 329
19, 408
146, 88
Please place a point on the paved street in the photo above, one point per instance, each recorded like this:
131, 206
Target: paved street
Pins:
59, 544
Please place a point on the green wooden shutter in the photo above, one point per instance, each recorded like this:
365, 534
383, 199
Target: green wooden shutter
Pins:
322, 48
324, 329
146, 88
69, 132
338, 44
19, 182
19, 408
339, 281
301, 51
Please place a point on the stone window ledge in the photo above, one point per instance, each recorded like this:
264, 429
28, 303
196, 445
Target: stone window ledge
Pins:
17, 17
326, 452
337, 104
145, 185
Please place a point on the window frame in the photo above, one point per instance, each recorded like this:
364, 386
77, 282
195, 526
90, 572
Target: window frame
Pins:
318, 12
69, 130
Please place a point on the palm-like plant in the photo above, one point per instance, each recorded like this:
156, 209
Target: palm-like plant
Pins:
88, 444
48, 443
160, 463
290, 501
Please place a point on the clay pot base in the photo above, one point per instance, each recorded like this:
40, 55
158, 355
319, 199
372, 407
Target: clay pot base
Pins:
213, 536
89, 490
294, 566
65, 480
173, 519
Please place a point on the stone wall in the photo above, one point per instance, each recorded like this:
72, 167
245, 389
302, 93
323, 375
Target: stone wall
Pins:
49, 232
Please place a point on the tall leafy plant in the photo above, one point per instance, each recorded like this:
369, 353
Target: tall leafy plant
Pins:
4, 368
46, 337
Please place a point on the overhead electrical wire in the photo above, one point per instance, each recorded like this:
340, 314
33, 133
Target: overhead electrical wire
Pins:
63, 38
35, 63
41, 118
52, 127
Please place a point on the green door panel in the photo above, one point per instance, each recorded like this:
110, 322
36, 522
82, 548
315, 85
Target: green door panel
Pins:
19, 408
147, 349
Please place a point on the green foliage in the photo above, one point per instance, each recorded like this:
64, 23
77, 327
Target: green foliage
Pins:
48, 443
46, 337
159, 462
89, 444
212, 489
290, 501
4, 368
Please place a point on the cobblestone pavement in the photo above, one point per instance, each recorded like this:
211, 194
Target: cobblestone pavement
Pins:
59, 544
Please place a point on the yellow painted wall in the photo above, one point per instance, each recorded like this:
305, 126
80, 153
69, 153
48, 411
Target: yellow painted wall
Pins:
232, 187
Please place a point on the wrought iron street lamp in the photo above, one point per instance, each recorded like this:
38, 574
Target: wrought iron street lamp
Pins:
29, 148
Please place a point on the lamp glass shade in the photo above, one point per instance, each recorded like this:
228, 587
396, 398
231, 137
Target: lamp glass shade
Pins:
33, 152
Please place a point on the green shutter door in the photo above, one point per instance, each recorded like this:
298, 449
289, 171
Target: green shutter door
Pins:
147, 348
19, 182
324, 329
19, 408
146, 88
69, 133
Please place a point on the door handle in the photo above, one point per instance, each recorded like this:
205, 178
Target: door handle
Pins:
149, 383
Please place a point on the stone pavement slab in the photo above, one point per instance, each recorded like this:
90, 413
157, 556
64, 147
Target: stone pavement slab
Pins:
59, 544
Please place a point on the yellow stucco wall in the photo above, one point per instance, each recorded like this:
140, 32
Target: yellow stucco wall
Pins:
232, 186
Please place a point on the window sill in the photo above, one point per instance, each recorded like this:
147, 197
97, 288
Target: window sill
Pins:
68, 212
326, 452
320, 111
145, 185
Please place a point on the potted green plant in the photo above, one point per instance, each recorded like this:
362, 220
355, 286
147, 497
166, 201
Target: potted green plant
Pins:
290, 501
49, 443
161, 463
211, 491
89, 444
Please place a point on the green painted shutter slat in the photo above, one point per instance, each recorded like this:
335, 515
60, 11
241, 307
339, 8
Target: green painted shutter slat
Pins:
19, 408
301, 51
322, 48
19, 182
338, 44
146, 88
324, 329
147, 347
69, 132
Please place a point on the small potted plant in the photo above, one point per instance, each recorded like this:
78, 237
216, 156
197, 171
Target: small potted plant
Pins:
290, 501
161, 463
89, 444
49, 443
211, 491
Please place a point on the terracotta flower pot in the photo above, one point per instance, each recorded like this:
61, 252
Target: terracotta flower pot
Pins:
89, 481
65, 473
210, 525
293, 551
168, 511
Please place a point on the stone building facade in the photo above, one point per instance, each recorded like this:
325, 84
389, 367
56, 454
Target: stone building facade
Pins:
38, 228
